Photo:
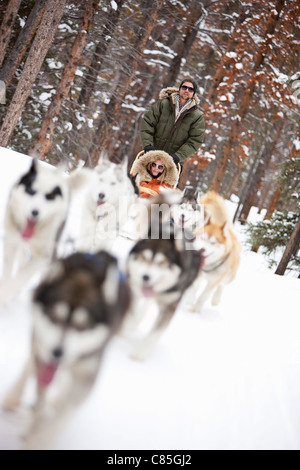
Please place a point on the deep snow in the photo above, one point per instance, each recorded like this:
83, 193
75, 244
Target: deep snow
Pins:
226, 379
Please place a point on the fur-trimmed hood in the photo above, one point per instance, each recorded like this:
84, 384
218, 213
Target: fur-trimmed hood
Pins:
141, 165
172, 92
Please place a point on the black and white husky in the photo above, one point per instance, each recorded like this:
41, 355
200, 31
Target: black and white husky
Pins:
188, 214
161, 269
76, 310
35, 216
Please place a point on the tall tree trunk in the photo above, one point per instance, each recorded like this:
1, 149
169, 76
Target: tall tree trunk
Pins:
264, 196
105, 39
24, 39
104, 131
292, 248
43, 39
273, 202
45, 138
160, 78
259, 174
7, 26
225, 62
185, 46
275, 198
247, 96
246, 186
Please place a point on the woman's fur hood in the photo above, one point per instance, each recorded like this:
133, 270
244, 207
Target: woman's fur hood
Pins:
172, 92
143, 163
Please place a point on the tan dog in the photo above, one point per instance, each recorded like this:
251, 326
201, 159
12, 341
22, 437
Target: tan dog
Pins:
221, 251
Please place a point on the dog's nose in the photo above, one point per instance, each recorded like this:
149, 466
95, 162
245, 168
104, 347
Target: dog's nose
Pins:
58, 353
101, 196
35, 213
146, 278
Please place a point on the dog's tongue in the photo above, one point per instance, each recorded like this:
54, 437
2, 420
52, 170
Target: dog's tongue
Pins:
46, 374
148, 291
28, 231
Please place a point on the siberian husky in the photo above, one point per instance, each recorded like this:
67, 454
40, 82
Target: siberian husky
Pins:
76, 309
188, 214
106, 205
161, 268
221, 251
36, 213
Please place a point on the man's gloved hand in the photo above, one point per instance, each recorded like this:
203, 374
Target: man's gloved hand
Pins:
176, 159
149, 148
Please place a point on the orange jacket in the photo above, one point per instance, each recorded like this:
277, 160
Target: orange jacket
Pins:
152, 188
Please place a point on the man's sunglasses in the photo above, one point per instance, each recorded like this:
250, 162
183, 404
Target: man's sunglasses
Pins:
160, 167
185, 88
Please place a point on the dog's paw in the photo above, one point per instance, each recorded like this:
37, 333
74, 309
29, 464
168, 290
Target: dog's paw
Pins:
191, 307
10, 404
138, 356
5, 297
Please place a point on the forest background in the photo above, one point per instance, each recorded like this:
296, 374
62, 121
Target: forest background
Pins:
77, 76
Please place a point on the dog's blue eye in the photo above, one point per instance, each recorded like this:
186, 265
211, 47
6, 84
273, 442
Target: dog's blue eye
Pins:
30, 191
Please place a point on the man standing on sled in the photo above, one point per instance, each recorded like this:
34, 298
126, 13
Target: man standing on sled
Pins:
175, 123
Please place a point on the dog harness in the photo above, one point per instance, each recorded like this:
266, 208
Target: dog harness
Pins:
214, 268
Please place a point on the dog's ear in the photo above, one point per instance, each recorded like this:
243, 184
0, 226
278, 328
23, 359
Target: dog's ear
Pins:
29, 177
110, 286
34, 166
135, 181
124, 165
225, 229
55, 272
80, 178
52, 275
103, 158
203, 217
198, 197
62, 167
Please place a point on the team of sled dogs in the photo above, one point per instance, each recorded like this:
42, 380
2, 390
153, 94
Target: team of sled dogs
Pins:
82, 300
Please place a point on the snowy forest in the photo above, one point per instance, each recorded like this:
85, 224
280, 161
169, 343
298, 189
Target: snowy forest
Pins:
76, 77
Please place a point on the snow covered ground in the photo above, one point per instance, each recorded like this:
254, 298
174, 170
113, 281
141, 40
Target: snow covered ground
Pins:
226, 379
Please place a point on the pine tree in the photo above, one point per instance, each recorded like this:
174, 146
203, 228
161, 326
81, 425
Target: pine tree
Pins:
7, 26
110, 24
45, 138
291, 250
44, 37
281, 228
249, 89
23, 42
104, 131
275, 234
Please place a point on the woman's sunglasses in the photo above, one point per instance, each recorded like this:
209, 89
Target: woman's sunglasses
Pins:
185, 88
160, 167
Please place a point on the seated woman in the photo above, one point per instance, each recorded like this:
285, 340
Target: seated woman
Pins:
156, 170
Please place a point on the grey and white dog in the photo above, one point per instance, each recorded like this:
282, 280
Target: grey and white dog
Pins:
77, 308
161, 268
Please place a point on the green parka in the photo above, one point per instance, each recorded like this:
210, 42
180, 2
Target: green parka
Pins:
159, 129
